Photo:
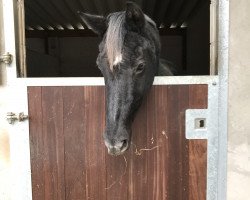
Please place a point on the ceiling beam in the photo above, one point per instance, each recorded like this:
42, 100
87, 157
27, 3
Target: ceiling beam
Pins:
89, 33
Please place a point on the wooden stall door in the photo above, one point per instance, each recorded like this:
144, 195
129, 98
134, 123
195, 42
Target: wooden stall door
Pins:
69, 160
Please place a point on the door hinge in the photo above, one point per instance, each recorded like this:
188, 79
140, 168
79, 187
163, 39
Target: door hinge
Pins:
6, 58
12, 117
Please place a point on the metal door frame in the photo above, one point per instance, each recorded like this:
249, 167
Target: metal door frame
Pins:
19, 137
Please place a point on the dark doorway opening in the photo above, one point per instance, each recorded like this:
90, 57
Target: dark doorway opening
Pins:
59, 44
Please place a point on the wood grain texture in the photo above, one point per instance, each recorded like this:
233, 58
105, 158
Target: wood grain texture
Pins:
75, 141
36, 141
53, 143
69, 160
197, 149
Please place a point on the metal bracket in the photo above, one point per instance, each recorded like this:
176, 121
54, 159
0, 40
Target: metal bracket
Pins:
12, 117
203, 124
6, 58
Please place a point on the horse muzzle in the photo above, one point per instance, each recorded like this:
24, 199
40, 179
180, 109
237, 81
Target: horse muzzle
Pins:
118, 147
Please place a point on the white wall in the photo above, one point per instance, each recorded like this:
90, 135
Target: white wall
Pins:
239, 101
4, 137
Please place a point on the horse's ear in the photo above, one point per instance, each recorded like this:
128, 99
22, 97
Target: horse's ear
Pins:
134, 17
95, 22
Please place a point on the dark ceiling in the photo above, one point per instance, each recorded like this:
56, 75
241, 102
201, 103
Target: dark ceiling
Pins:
62, 14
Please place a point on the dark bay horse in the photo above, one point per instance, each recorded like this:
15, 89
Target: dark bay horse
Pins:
128, 59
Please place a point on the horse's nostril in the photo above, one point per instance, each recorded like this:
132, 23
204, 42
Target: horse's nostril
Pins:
124, 144
117, 148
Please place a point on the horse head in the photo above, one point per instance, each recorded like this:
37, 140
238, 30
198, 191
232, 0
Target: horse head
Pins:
128, 59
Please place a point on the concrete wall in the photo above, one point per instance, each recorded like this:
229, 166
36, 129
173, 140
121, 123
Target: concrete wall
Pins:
239, 101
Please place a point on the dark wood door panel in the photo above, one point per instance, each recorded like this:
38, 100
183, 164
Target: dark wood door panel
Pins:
69, 160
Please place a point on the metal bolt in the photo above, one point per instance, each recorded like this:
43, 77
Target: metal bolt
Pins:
6, 58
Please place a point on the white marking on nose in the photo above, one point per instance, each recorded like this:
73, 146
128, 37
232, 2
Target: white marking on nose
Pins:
118, 59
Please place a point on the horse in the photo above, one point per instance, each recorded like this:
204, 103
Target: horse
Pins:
129, 59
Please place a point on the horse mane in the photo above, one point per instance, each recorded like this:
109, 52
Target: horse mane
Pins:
115, 36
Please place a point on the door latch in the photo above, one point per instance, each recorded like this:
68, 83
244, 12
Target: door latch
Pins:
6, 58
12, 117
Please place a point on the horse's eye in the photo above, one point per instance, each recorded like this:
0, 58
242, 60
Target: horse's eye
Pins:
140, 68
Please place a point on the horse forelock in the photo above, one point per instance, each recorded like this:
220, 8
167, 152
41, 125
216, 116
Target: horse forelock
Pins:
115, 38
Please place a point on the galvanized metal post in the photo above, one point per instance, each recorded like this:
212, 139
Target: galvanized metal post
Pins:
223, 41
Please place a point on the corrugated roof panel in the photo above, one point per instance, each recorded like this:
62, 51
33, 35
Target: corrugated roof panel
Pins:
46, 11
149, 7
174, 9
197, 8
187, 8
40, 14
62, 14
160, 11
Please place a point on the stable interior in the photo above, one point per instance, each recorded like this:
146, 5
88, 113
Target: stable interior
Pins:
59, 44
